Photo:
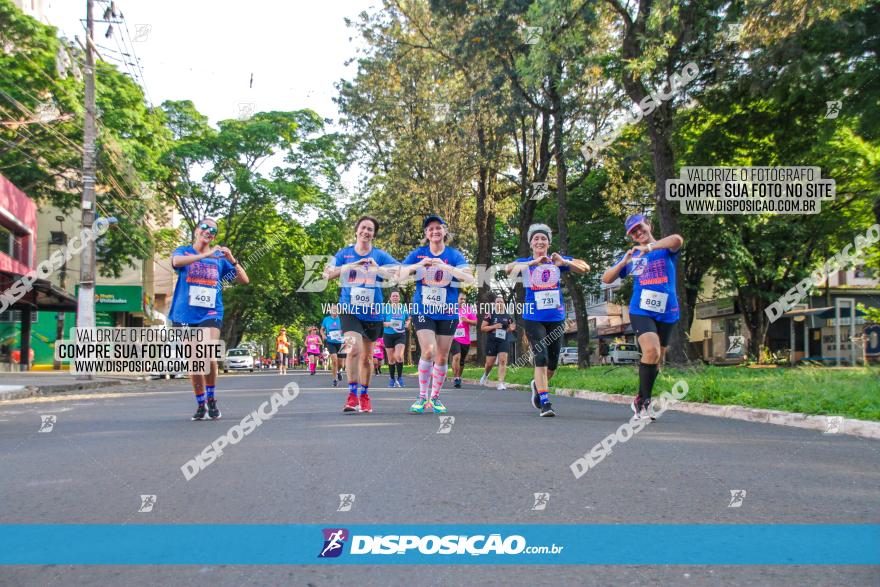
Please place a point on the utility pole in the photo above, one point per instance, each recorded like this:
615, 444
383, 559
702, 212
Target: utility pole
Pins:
85, 305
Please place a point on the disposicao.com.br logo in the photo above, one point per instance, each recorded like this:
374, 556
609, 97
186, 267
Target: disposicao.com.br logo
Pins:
431, 544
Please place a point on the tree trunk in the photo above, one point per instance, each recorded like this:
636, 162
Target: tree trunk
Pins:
756, 322
485, 224
542, 168
577, 296
660, 131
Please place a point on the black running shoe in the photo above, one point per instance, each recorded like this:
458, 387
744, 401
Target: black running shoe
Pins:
213, 410
335, 382
536, 398
457, 383
547, 411
200, 412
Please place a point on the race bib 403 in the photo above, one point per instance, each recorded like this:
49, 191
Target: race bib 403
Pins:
203, 297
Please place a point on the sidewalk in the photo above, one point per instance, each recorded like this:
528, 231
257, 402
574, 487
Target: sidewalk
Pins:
17, 385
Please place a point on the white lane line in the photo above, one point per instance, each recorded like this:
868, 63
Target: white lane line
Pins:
48, 482
359, 424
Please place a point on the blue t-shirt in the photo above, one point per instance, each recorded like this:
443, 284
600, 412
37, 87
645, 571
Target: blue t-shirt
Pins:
198, 295
653, 273
333, 328
363, 283
390, 316
544, 301
436, 290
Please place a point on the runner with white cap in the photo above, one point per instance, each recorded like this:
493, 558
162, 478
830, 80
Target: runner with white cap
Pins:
544, 310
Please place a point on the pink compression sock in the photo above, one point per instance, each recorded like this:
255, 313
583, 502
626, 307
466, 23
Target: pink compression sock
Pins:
424, 377
439, 377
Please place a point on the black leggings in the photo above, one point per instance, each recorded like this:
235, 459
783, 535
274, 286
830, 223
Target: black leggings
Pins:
545, 339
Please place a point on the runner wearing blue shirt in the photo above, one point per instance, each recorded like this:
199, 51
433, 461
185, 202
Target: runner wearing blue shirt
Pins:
361, 270
654, 307
394, 336
331, 333
544, 311
439, 271
202, 268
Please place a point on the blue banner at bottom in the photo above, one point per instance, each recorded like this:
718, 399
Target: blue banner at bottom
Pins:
599, 544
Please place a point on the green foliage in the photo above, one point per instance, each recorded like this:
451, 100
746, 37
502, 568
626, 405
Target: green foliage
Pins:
220, 173
41, 89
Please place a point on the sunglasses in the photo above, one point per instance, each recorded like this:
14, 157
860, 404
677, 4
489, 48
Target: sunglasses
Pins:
208, 227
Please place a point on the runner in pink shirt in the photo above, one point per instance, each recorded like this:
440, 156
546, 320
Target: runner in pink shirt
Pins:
461, 340
313, 348
378, 355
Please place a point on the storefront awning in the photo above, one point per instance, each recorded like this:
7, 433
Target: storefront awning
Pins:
826, 313
52, 298
43, 295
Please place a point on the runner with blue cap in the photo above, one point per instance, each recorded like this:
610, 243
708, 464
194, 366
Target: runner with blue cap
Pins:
653, 309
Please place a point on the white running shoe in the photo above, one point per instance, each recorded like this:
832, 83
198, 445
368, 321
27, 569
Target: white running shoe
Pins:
501, 387
483, 379
636, 408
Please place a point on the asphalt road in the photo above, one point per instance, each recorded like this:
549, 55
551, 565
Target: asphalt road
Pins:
108, 448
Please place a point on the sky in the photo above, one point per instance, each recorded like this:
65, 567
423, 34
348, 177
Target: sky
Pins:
206, 50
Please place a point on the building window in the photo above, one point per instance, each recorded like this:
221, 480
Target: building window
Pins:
863, 272
14, 316
14, 245
56, 237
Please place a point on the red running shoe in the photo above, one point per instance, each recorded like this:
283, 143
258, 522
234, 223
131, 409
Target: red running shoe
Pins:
351, 405
366, 406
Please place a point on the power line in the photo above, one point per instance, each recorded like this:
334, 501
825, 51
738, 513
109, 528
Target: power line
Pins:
114, 182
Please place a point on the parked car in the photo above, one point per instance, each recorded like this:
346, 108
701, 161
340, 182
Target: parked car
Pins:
619, 352
568, 355
239, 359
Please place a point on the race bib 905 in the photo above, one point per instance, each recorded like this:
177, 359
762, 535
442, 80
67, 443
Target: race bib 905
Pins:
362, 296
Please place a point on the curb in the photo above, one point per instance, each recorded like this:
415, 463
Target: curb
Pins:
26, 391
830, 425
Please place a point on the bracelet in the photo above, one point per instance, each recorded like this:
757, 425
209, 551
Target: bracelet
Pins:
650, 247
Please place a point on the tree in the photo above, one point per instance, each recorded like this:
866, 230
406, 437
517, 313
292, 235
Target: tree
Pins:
41, 96
218, 172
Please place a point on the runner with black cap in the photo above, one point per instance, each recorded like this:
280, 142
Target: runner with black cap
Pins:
439, 272
544, 310
361, 269
653, 309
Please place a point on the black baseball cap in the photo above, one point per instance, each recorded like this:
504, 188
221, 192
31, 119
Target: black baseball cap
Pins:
433, 218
